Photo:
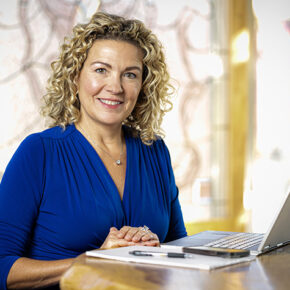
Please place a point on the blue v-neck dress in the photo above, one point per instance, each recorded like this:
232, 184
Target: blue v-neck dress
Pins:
58, 200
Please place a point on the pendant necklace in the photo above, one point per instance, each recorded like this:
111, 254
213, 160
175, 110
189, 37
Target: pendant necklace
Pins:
118, 161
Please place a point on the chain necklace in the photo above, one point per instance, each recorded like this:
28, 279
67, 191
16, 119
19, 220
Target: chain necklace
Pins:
118, 161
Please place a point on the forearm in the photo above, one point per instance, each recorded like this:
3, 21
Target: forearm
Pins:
30, 273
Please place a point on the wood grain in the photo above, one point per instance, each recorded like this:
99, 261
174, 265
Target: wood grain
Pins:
270, 271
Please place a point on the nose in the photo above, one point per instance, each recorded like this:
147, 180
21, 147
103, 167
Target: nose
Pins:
114, 84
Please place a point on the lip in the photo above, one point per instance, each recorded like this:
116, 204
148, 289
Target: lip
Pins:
110, 103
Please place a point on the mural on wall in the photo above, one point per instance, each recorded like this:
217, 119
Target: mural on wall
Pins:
31, 32
30, 35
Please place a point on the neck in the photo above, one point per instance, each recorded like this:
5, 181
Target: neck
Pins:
106, 136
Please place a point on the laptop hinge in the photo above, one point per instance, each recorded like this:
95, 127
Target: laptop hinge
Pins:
268, 248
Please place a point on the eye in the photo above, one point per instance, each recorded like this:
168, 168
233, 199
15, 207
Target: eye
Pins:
130, 75
100, 70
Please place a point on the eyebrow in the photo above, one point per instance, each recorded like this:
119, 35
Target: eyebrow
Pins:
109, 66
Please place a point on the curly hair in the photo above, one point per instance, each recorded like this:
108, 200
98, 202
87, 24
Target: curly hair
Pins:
61, 102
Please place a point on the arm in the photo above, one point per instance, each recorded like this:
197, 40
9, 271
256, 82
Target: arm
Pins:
176, 223
20, 196
176, 226
48, 273
30, 273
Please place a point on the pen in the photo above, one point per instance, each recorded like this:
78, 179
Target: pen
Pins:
160, 254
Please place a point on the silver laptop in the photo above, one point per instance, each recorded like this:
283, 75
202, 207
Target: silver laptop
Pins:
277, 235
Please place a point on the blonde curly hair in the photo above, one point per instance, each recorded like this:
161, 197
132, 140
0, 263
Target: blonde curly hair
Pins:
61, 102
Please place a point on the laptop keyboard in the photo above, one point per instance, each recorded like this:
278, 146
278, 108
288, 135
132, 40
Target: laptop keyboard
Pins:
237, 241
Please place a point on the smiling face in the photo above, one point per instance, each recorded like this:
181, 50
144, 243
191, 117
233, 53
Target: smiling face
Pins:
110, 82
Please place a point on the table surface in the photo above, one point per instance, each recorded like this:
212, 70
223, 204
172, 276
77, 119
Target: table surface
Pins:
269, 271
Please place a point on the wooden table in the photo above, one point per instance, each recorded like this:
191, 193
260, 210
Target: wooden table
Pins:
270, 271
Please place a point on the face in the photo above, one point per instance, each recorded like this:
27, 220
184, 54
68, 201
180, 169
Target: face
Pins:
110, 82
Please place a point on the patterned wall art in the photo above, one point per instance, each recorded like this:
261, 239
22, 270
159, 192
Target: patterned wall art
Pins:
31, 33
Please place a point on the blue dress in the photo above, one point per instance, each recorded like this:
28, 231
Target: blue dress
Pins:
57, 199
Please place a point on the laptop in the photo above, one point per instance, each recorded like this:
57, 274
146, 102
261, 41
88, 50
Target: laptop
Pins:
277, 235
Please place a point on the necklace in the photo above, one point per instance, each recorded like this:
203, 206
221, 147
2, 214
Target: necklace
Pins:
118, 161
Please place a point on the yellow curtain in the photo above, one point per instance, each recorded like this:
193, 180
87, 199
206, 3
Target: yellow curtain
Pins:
241, 52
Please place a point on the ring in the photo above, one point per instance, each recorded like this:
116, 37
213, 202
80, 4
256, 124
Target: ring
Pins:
145, 229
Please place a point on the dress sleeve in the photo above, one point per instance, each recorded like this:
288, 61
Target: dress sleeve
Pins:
20, 196
176, 227
176, 224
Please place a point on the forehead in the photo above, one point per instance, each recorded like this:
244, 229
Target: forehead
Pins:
115, 50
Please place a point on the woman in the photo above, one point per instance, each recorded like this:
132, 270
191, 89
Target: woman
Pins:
101, 176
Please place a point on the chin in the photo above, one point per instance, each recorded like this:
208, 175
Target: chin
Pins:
111, 122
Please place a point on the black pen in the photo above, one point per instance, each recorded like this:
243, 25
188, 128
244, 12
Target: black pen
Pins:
160, 254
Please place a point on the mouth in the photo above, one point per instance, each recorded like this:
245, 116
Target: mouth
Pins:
110, 102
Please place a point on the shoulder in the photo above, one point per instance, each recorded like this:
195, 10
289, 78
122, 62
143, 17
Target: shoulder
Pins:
51, 133
134, 134
31, 144
162, 151
157, 148
57, 132
34, 143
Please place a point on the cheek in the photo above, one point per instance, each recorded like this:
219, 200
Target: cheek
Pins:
90, 86
135, 91
134, 98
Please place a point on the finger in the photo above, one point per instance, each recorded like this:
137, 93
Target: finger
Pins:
113, 233
131, 233
111, 244
149, 236
122, 243
123, 231
153, 243
140, 233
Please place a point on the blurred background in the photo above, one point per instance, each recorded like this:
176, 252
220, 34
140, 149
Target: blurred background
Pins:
228, 133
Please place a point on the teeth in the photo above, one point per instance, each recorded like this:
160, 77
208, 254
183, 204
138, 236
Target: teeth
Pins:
110, 102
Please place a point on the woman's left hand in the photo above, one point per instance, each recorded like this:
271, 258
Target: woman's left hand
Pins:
140, 235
